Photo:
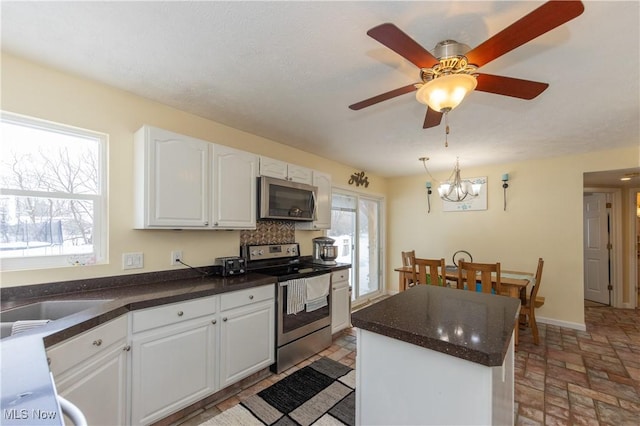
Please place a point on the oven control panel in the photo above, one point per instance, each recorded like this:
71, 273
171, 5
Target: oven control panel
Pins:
271, 251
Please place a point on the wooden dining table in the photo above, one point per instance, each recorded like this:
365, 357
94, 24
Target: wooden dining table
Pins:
513, 282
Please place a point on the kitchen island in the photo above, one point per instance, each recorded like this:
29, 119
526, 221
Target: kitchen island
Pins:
436, 355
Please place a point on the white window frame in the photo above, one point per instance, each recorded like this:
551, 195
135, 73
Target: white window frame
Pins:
99, 255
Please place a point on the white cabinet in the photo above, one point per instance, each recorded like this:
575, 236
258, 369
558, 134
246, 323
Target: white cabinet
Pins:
234, 188
281, 170
171, 180
187, 183
173, 357
90, 370
183, 352
340, 301
323, 203
247, 333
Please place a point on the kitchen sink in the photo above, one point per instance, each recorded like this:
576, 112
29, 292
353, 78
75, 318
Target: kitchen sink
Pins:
48, 310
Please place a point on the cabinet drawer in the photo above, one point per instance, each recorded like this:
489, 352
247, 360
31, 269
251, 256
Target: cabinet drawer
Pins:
173, 313
74, 351
342, 275
246, 297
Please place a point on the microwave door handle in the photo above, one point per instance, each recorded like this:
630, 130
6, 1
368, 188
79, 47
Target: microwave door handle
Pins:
315, 204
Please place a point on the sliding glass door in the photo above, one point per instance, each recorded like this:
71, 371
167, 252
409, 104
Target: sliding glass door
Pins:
356, 228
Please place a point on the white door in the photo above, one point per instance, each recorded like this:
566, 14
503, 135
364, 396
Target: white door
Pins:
234, 188
596, 253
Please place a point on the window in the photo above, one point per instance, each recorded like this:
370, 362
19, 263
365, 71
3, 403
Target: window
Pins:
52, 194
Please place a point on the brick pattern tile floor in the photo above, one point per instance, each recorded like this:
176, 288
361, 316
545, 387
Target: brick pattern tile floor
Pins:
572, 377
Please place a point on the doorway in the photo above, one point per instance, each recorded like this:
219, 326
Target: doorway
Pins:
597, 247
356, 227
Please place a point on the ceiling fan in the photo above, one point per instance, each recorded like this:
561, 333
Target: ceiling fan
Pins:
450, 72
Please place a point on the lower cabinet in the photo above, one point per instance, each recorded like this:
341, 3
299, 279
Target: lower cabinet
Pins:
186, 351
340, 301
247, 333
172, 366
90, 370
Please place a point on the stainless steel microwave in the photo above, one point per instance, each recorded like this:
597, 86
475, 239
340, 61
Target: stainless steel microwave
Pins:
283, 199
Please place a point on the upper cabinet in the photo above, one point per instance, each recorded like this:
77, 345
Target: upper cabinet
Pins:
234, 188
187, 183
323, 203
282, 170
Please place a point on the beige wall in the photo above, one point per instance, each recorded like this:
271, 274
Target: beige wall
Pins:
41, 92
543, 219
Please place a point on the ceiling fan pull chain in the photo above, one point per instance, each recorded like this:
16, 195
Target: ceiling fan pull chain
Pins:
446, 130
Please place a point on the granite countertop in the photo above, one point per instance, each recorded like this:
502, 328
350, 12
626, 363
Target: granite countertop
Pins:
473, 326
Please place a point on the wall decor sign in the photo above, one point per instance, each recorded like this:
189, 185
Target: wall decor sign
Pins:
474, 203
359, 179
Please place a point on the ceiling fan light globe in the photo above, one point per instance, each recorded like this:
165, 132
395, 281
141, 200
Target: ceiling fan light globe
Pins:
446, 92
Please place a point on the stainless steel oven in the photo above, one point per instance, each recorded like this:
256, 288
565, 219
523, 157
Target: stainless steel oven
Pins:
303, 324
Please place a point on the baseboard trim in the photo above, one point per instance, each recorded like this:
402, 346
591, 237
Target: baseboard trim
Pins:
566, 324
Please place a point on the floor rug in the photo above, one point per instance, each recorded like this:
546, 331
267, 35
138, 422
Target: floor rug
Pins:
322, 393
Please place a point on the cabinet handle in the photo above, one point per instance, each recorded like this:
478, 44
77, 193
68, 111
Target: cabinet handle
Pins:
215, 223
127, 348
206, 224
251, 297
97, 342
224, 319
48, 361
214, 322
180, 313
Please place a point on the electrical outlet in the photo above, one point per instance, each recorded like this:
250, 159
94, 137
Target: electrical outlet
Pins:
132, 260
176, 257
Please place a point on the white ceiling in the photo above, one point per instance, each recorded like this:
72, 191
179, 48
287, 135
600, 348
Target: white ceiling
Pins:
287, 71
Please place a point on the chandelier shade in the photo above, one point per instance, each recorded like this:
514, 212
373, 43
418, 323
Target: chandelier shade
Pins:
444, 93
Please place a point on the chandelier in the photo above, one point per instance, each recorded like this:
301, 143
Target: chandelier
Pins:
455, 189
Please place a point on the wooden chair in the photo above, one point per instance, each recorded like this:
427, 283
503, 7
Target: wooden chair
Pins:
528, 308
408, 260
473, 273
427, 271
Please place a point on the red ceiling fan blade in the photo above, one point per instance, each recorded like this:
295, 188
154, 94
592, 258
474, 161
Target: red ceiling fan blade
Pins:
508, 86
545, 18
432, 118
383, 97
396, 40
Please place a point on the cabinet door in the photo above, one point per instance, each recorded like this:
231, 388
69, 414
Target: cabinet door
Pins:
174, 183
234, 188
340, 300
247, 341
90, 370
273, 168
299, 174
323, 203
172, 367
98, 387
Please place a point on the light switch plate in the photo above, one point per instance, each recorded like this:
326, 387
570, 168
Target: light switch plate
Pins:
132, 260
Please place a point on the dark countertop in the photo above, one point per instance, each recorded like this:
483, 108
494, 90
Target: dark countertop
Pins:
473, 326
27, 390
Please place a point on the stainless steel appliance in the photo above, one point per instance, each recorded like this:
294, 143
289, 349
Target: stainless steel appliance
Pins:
324, 252
304, 333
232, 265
282, 199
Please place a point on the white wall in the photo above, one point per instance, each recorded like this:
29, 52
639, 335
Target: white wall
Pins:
41, 92
543, 219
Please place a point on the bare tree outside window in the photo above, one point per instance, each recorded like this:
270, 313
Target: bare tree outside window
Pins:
51, 197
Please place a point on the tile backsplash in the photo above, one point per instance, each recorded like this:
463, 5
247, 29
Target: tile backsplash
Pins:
270, 232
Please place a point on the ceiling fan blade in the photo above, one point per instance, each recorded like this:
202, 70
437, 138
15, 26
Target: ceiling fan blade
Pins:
508, 86
383, 97
545, 18
432, 118
396, 40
